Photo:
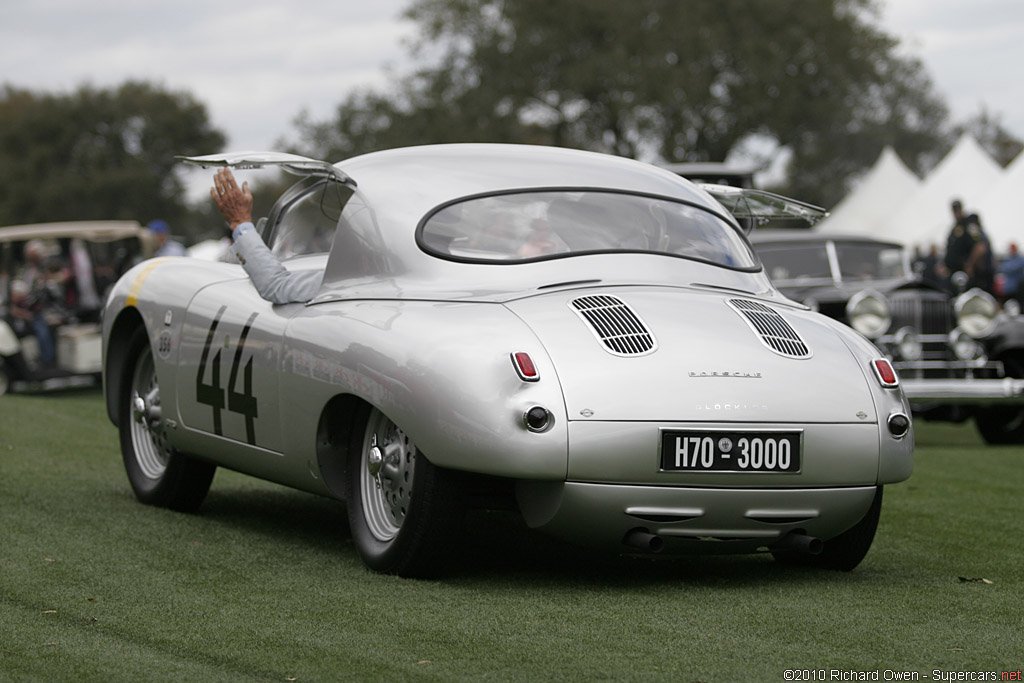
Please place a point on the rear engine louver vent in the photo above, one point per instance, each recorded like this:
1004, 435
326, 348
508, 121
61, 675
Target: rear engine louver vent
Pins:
773, 330
615, 324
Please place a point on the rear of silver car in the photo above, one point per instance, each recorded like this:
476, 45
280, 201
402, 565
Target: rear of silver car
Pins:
707, 422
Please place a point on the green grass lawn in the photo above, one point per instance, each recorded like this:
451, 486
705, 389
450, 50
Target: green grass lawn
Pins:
264, 584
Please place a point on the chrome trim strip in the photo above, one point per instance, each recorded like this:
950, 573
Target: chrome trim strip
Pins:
1007, 390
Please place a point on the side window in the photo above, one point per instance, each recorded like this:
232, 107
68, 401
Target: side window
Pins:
307, 224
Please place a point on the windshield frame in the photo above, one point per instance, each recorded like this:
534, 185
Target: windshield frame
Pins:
302, 191
724, 217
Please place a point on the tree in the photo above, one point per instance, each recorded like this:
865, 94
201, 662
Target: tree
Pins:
98, 153
987, 128
656, 80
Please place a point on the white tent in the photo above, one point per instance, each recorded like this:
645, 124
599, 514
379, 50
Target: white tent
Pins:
1000, 208
966, 173
878, 195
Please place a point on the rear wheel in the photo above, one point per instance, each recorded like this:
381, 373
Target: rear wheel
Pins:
159, 475
1003, 424
845, 551
404, 512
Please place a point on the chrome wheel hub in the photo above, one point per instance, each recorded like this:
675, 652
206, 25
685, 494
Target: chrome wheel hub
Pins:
149, 439
386, 476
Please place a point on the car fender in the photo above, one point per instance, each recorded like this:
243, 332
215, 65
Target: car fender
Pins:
154, 294
896, 455
1007, 338
442, 372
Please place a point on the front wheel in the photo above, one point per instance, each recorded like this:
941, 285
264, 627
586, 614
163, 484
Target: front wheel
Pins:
845, 551
159, 475
404, 512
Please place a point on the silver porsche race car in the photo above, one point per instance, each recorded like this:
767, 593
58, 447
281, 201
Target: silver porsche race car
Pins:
590, 337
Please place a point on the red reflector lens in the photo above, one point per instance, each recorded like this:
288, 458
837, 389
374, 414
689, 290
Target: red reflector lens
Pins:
886, 373
525, 367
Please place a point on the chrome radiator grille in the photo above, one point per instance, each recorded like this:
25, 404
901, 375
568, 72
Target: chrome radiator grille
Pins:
927, 315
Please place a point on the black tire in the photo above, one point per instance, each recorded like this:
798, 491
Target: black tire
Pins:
159, 475
5, 378
405, 514
845, 551
1003, 424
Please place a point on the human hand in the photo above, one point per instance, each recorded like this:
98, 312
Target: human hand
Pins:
234, 203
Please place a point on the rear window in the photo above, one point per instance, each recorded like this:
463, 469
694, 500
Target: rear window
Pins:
536, 225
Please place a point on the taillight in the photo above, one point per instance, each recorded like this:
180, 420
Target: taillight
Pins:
886, 373
525, 368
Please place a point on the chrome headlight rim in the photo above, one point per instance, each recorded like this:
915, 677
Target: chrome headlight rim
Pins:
964, 346
908, 344
868, 312
976, 311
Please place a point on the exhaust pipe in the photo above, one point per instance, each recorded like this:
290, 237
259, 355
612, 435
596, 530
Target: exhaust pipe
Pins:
642, 539
799, 542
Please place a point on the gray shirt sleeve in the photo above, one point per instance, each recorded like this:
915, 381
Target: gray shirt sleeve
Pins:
273, 281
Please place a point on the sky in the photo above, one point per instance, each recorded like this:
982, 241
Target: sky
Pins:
256, 64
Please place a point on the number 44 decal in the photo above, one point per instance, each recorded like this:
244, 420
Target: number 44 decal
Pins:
212, 394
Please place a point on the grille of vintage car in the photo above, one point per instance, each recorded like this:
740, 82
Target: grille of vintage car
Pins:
772, 328
930, 316
615, 324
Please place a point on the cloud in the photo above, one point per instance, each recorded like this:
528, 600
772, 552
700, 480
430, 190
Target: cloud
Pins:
255, 65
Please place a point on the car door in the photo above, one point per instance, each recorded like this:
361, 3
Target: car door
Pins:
230, 365
232, 340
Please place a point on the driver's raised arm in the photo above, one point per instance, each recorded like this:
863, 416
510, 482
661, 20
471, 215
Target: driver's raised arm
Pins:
273, 281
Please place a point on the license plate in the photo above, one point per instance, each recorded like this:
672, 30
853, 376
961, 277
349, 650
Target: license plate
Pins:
730, 451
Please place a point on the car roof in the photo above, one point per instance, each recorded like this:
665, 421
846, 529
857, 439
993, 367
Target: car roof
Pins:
404, 186
93, 231
427, 176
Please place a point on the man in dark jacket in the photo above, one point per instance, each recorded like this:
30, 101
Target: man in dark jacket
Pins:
968, 250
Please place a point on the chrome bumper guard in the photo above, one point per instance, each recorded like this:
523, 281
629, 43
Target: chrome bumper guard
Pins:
955, 391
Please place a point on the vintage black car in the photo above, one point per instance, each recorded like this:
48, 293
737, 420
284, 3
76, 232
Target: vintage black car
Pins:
958, 355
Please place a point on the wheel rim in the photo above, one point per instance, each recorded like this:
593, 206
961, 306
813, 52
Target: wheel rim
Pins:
149, 440
385, 476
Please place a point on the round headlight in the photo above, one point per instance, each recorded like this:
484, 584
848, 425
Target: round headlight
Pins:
908, 342
868, 313
976, 313
1011, 307
964, 347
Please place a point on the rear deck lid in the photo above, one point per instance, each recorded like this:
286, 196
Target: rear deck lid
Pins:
687, 355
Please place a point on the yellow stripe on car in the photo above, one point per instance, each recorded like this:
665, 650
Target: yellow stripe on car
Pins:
133, 291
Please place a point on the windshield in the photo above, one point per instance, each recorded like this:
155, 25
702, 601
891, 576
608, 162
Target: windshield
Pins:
858, 261
800, 262
534, 225
307, 224
795, 262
